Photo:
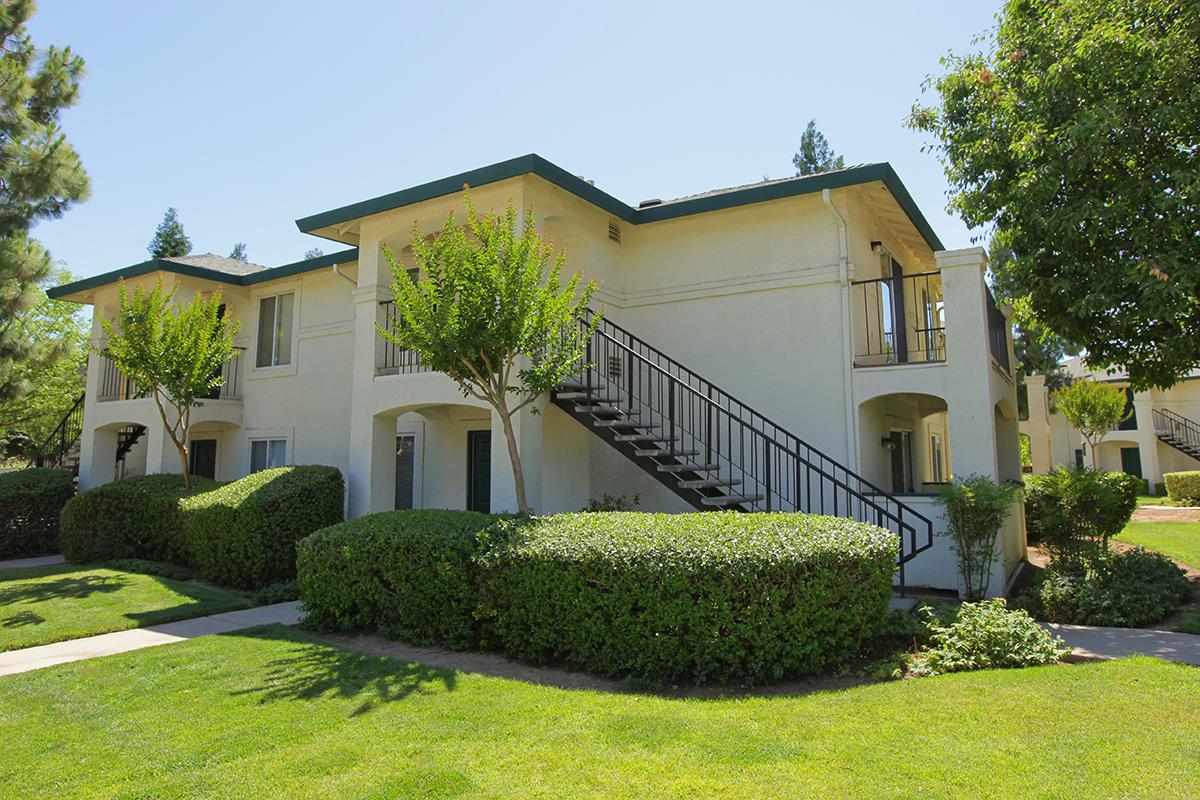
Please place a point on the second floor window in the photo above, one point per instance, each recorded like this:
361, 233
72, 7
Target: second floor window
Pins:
275, 330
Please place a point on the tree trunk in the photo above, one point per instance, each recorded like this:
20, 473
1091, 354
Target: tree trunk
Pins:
180, 444
514, 456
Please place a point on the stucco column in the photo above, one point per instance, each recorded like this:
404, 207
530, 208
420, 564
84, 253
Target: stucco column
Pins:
1037, 427
1143, 406
368, 444
97, 456
161, 453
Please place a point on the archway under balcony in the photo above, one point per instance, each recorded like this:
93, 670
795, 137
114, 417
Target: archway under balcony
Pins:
904, 442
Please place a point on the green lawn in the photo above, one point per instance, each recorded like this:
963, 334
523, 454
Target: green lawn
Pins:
274, 713
51, 604
1179, 540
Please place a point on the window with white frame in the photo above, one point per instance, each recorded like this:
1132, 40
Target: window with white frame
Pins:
275, 330
267, 453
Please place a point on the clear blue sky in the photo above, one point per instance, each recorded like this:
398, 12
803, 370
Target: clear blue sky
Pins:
246, 115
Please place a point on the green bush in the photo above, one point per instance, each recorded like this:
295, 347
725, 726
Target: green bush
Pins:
412, 574
986, 635
976, 507
1074, 512
240, 534
159, 568
130, 518
1183, 487
1121, 590
31, 501
687, 597
244, 534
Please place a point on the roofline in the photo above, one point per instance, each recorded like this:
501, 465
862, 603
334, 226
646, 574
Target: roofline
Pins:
166, 265
536, 165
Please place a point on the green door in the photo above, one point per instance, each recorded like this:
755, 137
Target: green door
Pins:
1131, 461
202, 458
479, 471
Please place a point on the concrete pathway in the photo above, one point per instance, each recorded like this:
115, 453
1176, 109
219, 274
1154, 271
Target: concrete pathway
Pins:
107, 644
1109, 643
36, 561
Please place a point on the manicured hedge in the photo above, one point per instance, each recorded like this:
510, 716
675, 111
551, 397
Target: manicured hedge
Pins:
412, 574
1183, 487
131, 518
240, 534
30, 503
1074, 512
244, 534
719, 596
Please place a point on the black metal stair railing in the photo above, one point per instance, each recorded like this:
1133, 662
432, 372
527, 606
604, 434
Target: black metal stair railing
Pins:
1177, 430
772, 468
62, 440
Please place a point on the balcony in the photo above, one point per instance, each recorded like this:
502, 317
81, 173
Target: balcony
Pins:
390, 359
114, 385
898, 320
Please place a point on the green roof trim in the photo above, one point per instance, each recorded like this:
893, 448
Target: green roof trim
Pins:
536, 165
166, 265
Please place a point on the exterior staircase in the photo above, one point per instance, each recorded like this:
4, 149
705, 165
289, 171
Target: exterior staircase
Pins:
711, 449
61, 447
1177, 431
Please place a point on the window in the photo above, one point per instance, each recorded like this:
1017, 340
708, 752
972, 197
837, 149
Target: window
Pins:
275, 330
267, 453
937, 458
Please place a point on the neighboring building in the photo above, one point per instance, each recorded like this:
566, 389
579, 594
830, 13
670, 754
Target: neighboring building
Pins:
868, 363
1160, 434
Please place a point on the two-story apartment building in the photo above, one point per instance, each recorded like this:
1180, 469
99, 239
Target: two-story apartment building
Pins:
796, 344
1160, 432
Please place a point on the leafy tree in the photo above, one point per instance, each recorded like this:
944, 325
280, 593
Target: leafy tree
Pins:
976, 507
1092, 408
490, 310
171, 352
815, 155
239, 252
316, 252
40, 178
1075, 136
54, 327
169, 239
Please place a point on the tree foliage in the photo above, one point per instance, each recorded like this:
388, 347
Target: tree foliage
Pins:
1076, 136
490, 310
171, 352
316, 252
1092, 408
815, 155
40, 177
169, 239
976, 507
239, 252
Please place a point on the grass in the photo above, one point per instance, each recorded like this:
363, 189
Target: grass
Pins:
41, 605
273, 712
1150, 500
1178, 540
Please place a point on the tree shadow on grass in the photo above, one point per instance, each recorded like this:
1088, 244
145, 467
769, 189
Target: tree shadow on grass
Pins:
72, 587
316, 670
22, 619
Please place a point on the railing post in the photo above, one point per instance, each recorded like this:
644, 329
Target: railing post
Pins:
671, 414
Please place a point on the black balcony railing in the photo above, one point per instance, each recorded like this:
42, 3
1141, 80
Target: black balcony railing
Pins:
231, 385
114, 385
899, 320
390, 359
997, 332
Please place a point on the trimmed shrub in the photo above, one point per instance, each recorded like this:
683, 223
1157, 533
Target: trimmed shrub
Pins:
1121, 590
976, 507
31, 501
158, 568
130, 518
412, 574
986, 635
719, 596
1073, 512
1183, 487
244, 534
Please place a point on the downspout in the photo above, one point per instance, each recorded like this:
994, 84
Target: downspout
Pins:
338, 271
847, 333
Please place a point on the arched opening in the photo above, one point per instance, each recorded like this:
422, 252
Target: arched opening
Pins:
904, 442
1008, 443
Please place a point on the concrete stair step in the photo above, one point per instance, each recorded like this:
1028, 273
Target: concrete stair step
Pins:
708, 483
688, 467
731, 500
658, 452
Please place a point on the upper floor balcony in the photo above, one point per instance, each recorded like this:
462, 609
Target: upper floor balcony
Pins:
390, 359
113, 384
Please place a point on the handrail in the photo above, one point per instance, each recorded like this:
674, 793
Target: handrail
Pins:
1176, 426
776, 469
64, 436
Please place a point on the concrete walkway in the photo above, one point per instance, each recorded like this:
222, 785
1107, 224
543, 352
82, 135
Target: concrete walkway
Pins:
36, 561
1109, 643
107, 644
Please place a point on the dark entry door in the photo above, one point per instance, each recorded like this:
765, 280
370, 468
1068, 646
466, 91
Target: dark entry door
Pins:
1131, 461
479, 471
901, 461
406, 445
202, 458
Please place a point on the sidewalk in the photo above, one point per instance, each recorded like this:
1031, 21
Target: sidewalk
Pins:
107, 644
36, 561
1108, 643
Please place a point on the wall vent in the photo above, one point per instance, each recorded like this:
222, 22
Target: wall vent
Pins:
614, 232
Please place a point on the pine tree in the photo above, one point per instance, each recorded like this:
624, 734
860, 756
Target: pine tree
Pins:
169, 239
316, 252
815, 155
41, 176
239, 252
